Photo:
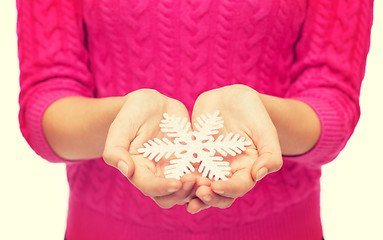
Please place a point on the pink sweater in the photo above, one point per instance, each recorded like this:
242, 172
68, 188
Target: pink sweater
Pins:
311, 50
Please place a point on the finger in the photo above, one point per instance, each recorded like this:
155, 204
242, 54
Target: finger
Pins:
238, 185
153, 186
181, 196
189, 182
196, 205
208, 197
269, 153
119, 158
268, 162
202, 181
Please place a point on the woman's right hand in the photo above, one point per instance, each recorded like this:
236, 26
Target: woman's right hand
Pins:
136, 123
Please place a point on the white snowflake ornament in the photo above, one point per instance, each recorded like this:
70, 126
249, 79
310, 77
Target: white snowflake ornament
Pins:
195, 146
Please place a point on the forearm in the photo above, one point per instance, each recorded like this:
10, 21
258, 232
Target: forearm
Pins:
297, 124
76, 127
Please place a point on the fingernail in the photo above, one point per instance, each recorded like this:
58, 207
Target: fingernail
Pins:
123, 167
198, 210
207, 198
172, 190
187, 186
219, 192
261, 173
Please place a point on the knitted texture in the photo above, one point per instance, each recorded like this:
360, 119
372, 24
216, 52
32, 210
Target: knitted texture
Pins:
311, 50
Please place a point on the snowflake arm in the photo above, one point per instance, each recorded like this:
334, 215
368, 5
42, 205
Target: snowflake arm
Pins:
213, 166
178, 168
231, 144
158, 149
174, 127
209, 124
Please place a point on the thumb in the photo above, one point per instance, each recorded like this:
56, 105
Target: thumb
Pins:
119, 158
267, 162
117, 143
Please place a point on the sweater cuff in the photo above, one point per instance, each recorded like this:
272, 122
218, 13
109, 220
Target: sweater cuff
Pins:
33, 116
334, 131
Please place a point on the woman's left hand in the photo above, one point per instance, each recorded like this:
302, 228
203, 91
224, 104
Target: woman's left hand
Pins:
243, 112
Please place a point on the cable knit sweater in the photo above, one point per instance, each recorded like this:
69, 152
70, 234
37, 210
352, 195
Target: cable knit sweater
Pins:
311, 50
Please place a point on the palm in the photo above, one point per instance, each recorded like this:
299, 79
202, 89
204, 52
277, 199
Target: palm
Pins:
240, 164
137, 122
243, 113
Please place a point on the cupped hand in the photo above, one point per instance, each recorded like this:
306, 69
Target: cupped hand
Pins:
138, 121
243, 112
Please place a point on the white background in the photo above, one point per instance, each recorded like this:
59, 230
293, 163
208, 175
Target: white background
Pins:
34, 193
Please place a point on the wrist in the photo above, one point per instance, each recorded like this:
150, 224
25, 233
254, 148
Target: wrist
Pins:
76, 127
297, 124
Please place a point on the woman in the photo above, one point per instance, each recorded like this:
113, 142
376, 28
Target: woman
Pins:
97, 76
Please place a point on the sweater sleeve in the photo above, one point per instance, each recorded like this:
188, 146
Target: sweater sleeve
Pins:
53, 63
328, 70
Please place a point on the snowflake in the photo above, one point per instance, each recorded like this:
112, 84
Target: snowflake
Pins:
195, 146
